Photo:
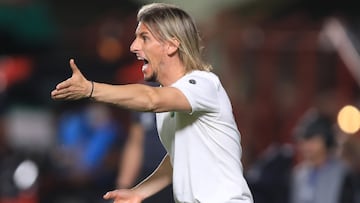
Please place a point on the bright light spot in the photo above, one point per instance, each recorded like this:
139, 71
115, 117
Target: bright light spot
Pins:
26, 174
349, 119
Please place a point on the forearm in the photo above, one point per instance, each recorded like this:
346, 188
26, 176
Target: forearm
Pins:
137, 97
132, 158
157, 181
133, 96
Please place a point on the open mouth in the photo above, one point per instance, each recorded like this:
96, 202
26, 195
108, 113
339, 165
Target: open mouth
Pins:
146, 62
143, 59
145, 65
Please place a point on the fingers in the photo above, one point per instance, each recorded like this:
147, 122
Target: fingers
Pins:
63, 84
61, 95
54, 94
65, 90
58, 92
73, 88
117, 194
111, 195
123, 195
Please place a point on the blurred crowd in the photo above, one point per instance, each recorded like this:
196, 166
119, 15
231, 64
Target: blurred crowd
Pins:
289, 69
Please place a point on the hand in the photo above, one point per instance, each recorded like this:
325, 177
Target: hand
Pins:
74, 88
123, 196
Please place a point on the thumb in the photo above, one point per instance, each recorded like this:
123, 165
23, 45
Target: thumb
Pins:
74, 67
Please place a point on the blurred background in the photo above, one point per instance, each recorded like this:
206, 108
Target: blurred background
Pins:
291, 68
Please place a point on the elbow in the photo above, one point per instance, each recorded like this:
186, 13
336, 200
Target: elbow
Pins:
153, 102
149, 107
154, 106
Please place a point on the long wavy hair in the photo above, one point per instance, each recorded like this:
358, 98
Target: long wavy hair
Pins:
167, 22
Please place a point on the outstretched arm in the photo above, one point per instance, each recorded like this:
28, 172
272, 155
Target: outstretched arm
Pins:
157, 181
134, 96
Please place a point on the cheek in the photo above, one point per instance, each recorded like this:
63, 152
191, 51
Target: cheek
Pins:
312, 147
305, 149
155, 53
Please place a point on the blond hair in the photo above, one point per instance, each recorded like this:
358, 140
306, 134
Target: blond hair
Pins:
167, 22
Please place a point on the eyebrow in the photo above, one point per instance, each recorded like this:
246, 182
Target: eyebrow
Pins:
143, 33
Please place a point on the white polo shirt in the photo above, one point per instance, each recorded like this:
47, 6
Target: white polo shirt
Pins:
204, 145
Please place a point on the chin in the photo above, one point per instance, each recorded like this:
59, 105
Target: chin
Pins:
150, 78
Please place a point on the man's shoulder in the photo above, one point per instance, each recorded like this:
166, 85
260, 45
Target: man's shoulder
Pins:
201, 76
201, 73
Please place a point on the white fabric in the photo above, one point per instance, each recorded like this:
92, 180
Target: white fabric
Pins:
204, 145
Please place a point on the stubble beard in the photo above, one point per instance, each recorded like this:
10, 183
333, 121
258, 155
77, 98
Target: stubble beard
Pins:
152, 78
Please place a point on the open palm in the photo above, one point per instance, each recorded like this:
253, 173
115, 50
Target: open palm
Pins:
74, 88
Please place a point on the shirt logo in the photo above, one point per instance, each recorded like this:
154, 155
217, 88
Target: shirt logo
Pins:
192, 81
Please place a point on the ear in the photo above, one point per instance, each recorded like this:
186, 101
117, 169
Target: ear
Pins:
172, 46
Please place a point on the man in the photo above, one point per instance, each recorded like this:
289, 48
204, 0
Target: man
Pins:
194, 115
319, 176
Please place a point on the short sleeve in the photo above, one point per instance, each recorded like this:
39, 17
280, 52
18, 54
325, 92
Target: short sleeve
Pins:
201, 90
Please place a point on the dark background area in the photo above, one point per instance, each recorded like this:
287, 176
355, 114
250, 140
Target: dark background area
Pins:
275, 58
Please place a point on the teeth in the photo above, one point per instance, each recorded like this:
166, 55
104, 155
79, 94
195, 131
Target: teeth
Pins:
140, 58
144, 67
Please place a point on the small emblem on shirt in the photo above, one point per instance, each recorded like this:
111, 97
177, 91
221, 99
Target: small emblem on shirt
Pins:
192, 81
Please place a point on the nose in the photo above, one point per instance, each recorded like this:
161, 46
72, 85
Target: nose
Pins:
134, 47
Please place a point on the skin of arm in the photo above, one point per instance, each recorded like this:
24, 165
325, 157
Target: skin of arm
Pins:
159, 179
137, 97
132, 157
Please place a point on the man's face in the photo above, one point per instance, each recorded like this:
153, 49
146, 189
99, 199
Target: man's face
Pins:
313, 149
148, 49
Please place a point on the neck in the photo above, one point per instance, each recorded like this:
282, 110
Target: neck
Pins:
170, 72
